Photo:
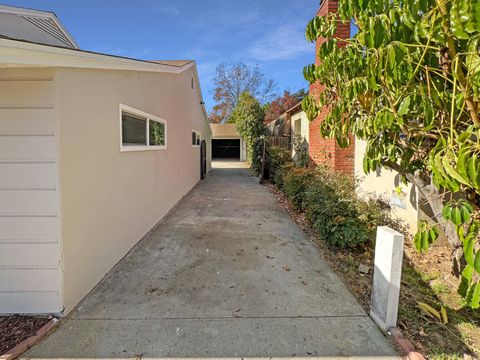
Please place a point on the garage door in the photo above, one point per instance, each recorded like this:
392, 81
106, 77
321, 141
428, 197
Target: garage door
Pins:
226, 149
30, 275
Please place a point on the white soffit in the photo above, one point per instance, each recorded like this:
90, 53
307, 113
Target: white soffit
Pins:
14, 53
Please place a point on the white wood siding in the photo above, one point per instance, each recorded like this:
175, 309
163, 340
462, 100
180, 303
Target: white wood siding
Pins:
30, 253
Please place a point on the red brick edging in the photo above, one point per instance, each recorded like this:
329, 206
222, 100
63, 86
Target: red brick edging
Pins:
29, 342
405, 345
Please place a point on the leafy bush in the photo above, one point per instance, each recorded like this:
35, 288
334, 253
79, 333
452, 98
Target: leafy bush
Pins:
248, 118
332, 207
281, 175
424, 124
276, 158
255, 154
296, 183
330, 202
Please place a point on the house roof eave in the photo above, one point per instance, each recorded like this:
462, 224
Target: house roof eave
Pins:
14, 53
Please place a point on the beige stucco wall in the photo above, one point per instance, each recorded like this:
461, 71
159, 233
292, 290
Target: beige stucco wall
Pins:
110, 199
304, 127
383, 183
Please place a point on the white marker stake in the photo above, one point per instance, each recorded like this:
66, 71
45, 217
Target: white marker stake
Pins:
386, 277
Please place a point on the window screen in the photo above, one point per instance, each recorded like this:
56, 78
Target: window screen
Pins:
134, 130
194, 138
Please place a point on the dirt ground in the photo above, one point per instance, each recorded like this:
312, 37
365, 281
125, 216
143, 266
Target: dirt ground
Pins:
16, 328
425, 278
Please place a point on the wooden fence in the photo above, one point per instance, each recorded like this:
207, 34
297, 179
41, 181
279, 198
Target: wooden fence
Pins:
280, 141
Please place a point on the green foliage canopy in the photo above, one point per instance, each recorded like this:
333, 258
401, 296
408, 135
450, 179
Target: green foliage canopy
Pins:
408, 83
248, 117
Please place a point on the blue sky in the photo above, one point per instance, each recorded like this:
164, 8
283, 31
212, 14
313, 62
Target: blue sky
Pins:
268, 33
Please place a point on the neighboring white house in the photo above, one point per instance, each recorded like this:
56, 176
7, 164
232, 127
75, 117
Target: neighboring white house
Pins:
299, 126
94, 151
227, 143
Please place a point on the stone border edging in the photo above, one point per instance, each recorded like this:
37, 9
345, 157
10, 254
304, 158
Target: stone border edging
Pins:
29, 342
406, 346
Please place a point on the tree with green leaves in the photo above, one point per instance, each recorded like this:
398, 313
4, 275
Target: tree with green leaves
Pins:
248, 117
408, 83
231, 81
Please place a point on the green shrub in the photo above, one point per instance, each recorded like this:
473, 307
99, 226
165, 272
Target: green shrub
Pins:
296, 183
281, 175
376, 212
248, 118
331, 204
276, 159
256, 153
335, 217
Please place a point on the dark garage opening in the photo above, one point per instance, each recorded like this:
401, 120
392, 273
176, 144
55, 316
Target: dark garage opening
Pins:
226, 149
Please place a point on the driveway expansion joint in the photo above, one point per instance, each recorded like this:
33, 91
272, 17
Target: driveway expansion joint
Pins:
223, 318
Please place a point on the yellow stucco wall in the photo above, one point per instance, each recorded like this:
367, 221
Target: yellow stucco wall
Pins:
301, 119
383, 183
110, 199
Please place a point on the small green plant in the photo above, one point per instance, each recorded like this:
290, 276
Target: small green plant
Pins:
440, 288
351, 264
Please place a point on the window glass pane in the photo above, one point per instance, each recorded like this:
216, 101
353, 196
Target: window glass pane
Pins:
194, 138
198, 139
157, 133
134, 130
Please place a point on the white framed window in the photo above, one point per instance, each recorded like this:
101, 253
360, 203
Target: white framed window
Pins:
196, 138
140, 131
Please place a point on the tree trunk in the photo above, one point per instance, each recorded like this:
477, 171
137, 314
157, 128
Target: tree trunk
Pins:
435, 200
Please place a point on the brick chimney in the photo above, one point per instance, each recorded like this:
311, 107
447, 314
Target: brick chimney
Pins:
321, 150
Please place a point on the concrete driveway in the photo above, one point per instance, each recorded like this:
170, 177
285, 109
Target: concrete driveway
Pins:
226, 274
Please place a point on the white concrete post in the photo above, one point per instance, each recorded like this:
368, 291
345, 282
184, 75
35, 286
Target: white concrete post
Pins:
386, 277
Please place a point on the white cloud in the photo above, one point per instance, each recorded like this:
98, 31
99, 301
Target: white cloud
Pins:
286, 42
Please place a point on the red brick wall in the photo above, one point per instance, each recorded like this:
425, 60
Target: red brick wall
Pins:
325, 151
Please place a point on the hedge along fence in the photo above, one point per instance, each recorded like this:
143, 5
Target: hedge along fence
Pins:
329, 201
